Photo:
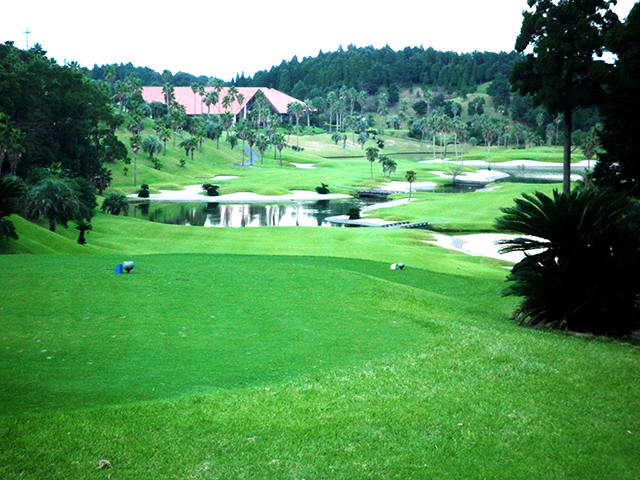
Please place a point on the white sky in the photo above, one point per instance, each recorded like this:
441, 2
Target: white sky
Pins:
216, 38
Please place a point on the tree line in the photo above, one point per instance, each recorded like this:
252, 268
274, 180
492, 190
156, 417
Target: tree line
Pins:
57, 135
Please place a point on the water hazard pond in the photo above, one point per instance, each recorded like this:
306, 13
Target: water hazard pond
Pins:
289, 214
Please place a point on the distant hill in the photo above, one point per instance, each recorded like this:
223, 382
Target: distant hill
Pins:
365, 68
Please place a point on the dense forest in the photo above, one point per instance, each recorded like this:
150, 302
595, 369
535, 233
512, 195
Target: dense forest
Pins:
366, 69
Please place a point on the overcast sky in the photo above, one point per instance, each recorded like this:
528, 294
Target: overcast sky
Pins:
221, 39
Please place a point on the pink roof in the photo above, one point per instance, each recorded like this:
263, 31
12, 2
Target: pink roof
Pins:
194, 104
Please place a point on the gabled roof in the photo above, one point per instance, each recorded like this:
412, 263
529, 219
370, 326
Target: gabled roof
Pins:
194, 104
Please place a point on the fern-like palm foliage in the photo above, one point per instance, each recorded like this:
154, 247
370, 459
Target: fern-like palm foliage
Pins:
582, 266
11, 192
114, 203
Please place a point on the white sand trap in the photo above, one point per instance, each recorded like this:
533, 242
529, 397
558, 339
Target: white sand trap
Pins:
223, 177
194, 193
527, 163
481, 244
481, 176
404, 186
305, 165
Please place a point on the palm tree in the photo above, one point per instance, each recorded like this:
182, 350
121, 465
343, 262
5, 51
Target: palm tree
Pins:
410, 176
211, 98
195, 88
331, 99
242, 132
151, 145
388, 165
83, 226
240, 100
189, 144
54, 199
279, 144
361, 98
262, 143
102, 179
11, 191
582, 258
169, 95
296, 109
371, 155
308, 108
115, 203
227, 121
165, 135
135, 148
589, 143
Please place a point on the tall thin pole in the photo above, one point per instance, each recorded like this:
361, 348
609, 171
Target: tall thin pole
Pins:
27, 32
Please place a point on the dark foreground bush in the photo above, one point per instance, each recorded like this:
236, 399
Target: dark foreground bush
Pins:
584, 277
354, 213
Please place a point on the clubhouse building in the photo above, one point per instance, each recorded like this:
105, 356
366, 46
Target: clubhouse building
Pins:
194, 103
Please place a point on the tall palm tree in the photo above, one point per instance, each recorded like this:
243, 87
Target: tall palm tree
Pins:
371, 154
410, 176
164, 136
308, 108
240, 100
195, 88
242, 132
296, 109
227, 121
331, 100
262, 143
211, 98
279, 143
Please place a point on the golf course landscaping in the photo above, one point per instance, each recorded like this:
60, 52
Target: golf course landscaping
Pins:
296, 352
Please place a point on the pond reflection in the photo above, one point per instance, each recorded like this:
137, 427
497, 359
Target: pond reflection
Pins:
304, 214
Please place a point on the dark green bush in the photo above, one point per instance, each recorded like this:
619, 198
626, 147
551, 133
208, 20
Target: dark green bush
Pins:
144, 191
354, 213
114, 203
582, 263
212, 190
322, 189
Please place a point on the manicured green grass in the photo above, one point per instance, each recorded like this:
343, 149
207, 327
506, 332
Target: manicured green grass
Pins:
343, 169
473, 211
228, 366
294, 352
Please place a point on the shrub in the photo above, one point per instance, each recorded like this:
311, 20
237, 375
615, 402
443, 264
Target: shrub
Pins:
581, 268
212, 190
157, 163
354, 213
322, 189
144, 191
115, 203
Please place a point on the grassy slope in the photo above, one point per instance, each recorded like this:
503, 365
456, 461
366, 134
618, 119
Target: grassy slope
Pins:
300, 366
295, 353
352, 171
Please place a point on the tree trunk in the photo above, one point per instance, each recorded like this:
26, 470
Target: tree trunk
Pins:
566, 168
